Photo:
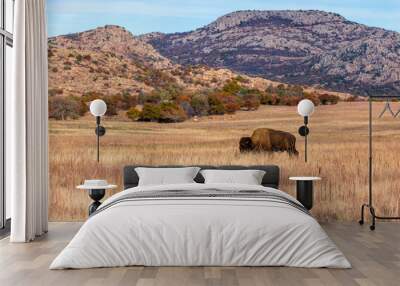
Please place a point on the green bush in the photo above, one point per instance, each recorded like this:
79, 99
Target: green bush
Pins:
199, 103
241, 79
232, 87
133, 114
150, 112
216, 105
78, 58
171, 112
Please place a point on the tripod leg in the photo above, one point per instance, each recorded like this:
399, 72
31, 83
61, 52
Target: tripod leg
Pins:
372, 210
387, 107
391, 111
361, 221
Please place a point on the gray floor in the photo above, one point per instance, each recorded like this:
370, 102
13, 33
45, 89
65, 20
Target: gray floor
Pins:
375, 257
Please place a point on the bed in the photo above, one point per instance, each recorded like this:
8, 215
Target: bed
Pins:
198, 224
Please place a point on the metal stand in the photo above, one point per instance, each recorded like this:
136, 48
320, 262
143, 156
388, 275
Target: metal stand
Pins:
387, 107
96, 195
100, 131
305, 138
304, 131
369, 205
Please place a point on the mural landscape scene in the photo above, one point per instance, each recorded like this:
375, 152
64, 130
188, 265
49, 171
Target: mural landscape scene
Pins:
188, 98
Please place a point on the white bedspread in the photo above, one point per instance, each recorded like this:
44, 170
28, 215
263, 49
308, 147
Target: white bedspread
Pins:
200, 231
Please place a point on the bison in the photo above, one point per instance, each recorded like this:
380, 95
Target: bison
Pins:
270, 140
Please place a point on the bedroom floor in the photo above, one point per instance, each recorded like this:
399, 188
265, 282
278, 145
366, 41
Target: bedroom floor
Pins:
375, 257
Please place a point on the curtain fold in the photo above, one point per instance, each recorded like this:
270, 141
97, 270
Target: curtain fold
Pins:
27, 124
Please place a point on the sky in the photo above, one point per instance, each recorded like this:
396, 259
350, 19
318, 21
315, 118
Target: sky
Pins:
168, 16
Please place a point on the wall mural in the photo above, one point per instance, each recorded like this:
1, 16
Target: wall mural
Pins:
212, 95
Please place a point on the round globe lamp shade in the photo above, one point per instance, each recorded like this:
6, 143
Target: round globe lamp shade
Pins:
98, 107
305, 107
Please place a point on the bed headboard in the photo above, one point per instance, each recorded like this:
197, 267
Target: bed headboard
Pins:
271, 177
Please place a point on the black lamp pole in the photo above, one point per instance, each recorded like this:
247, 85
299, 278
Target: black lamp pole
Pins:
305, 137
304, 131
100, 131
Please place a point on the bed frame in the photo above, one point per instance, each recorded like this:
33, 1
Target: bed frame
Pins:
271, 177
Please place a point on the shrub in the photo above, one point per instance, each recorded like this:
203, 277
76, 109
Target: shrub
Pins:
111, 106
171, 112
133, 114
128, 101
150, 112
83, 107
91, 95
153, 98
313, 97
328, 99
158, 79
269, 99
216, 105
61, 108
289, 100
231, 103
200, 105
250, 102
55, 91
281, 90
78, 58
231, 87
241, 79
185, 105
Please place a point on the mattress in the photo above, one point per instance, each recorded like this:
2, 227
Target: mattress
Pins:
201, 225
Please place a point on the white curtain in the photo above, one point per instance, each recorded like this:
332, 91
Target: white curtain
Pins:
27, 124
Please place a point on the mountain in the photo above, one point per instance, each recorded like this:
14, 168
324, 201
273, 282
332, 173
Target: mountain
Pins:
298, 47
110, 60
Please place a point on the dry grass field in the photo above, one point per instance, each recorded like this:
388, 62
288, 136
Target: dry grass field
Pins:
338, 152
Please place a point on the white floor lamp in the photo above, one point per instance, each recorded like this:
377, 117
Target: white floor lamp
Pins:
305, 108
98, 108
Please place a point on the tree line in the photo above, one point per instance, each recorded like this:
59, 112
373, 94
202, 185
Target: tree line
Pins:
175, 104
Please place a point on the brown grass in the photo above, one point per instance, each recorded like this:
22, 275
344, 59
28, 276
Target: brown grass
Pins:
338, 153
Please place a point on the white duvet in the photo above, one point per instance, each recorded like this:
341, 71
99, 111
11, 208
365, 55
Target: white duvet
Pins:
200, 231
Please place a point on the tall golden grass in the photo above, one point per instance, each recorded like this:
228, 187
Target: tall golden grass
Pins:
338, 152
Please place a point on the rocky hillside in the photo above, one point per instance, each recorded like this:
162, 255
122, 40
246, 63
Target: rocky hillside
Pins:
110, 60
300, 47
